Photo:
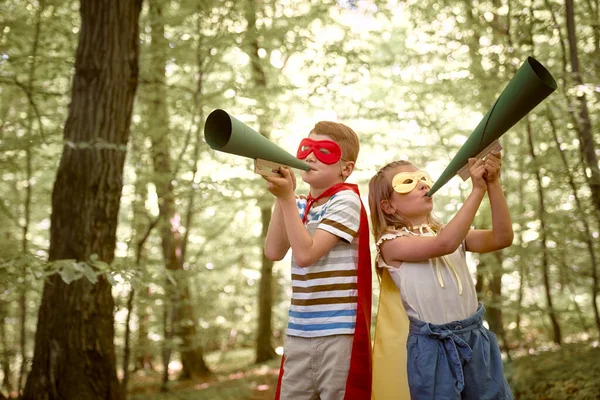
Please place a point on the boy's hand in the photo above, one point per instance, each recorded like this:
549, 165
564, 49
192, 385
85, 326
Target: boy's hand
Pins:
478, 173
492, 164
282, 186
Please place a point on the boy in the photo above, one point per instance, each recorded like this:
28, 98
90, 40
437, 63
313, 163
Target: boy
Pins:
327, 347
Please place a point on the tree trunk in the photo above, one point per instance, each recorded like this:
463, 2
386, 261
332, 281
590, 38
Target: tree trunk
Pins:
184, 321
587, 144
142, 226
28, 196
5, 360
74, 354
264, 348
521, 260
589, 239
496, 317
143, 358
543, 229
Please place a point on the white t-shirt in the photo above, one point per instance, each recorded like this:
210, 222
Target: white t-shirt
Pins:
438, 290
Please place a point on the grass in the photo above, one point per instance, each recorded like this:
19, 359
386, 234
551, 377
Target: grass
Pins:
234, 377
572, 372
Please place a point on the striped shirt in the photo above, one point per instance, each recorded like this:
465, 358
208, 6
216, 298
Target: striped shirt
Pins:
324, 294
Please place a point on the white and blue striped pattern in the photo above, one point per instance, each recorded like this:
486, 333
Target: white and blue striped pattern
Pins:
325, 293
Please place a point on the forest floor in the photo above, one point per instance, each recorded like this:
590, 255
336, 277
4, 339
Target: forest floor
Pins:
234, 377
569, 372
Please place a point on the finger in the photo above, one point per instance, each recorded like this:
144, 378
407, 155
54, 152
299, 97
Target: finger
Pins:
496, 154
492, 163
477, 161
272, 178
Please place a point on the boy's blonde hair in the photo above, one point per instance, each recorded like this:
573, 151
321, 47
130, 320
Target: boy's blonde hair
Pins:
380, 188
342, 135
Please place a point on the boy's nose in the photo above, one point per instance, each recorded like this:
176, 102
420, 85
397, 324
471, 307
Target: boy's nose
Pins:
311, 157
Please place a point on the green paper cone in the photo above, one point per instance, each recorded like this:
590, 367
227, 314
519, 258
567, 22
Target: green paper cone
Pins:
531, 84
225, 133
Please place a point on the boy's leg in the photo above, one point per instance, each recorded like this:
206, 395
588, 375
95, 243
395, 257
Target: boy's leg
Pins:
431, 373
298, 382
333, 358
484, 374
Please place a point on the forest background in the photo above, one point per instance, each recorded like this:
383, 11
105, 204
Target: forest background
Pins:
128, 245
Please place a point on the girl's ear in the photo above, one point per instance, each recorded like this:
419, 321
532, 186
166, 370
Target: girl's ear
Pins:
387, 207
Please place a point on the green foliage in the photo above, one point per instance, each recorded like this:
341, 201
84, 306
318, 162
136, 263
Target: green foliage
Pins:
413, 78
571, 372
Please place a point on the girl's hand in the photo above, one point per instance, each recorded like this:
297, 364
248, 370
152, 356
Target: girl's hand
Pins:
478, 173
492, 165
282, 186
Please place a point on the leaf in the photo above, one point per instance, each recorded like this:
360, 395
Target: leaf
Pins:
111, 279
69, 272
89, 273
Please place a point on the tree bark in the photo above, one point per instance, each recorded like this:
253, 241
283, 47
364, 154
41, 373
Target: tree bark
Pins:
264, 348
5, 360
28, 197
74, 354
142, 226
183, 319
556, 332
588, 238
587, 144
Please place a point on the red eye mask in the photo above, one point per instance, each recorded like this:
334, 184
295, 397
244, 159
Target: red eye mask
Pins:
326, 151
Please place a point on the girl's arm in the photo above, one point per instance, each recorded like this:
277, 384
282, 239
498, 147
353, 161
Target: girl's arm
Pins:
276, 241
501, 235
417, 248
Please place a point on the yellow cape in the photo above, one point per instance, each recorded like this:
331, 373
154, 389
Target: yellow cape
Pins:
390, 377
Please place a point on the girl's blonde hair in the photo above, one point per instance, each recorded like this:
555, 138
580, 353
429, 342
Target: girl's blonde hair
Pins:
380, 188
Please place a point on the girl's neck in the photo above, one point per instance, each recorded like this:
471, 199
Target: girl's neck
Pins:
415, 222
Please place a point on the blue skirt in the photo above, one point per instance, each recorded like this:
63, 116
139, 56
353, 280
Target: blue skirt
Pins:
457, 360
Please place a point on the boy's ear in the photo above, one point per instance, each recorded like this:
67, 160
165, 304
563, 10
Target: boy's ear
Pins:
347, 169
387, 207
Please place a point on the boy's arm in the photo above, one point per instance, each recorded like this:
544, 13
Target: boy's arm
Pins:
307, 249
418, 248
276, 241
501, 235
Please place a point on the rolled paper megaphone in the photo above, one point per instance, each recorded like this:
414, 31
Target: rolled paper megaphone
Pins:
225, 133
531, 84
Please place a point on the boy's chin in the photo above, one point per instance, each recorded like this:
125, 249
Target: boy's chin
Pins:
307, 176
312, 178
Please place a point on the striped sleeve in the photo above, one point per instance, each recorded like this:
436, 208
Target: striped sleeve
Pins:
342, 217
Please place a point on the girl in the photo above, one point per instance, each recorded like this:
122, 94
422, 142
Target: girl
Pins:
426, 288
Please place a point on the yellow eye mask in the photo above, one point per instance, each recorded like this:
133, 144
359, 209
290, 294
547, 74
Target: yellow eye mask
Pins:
405, 182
